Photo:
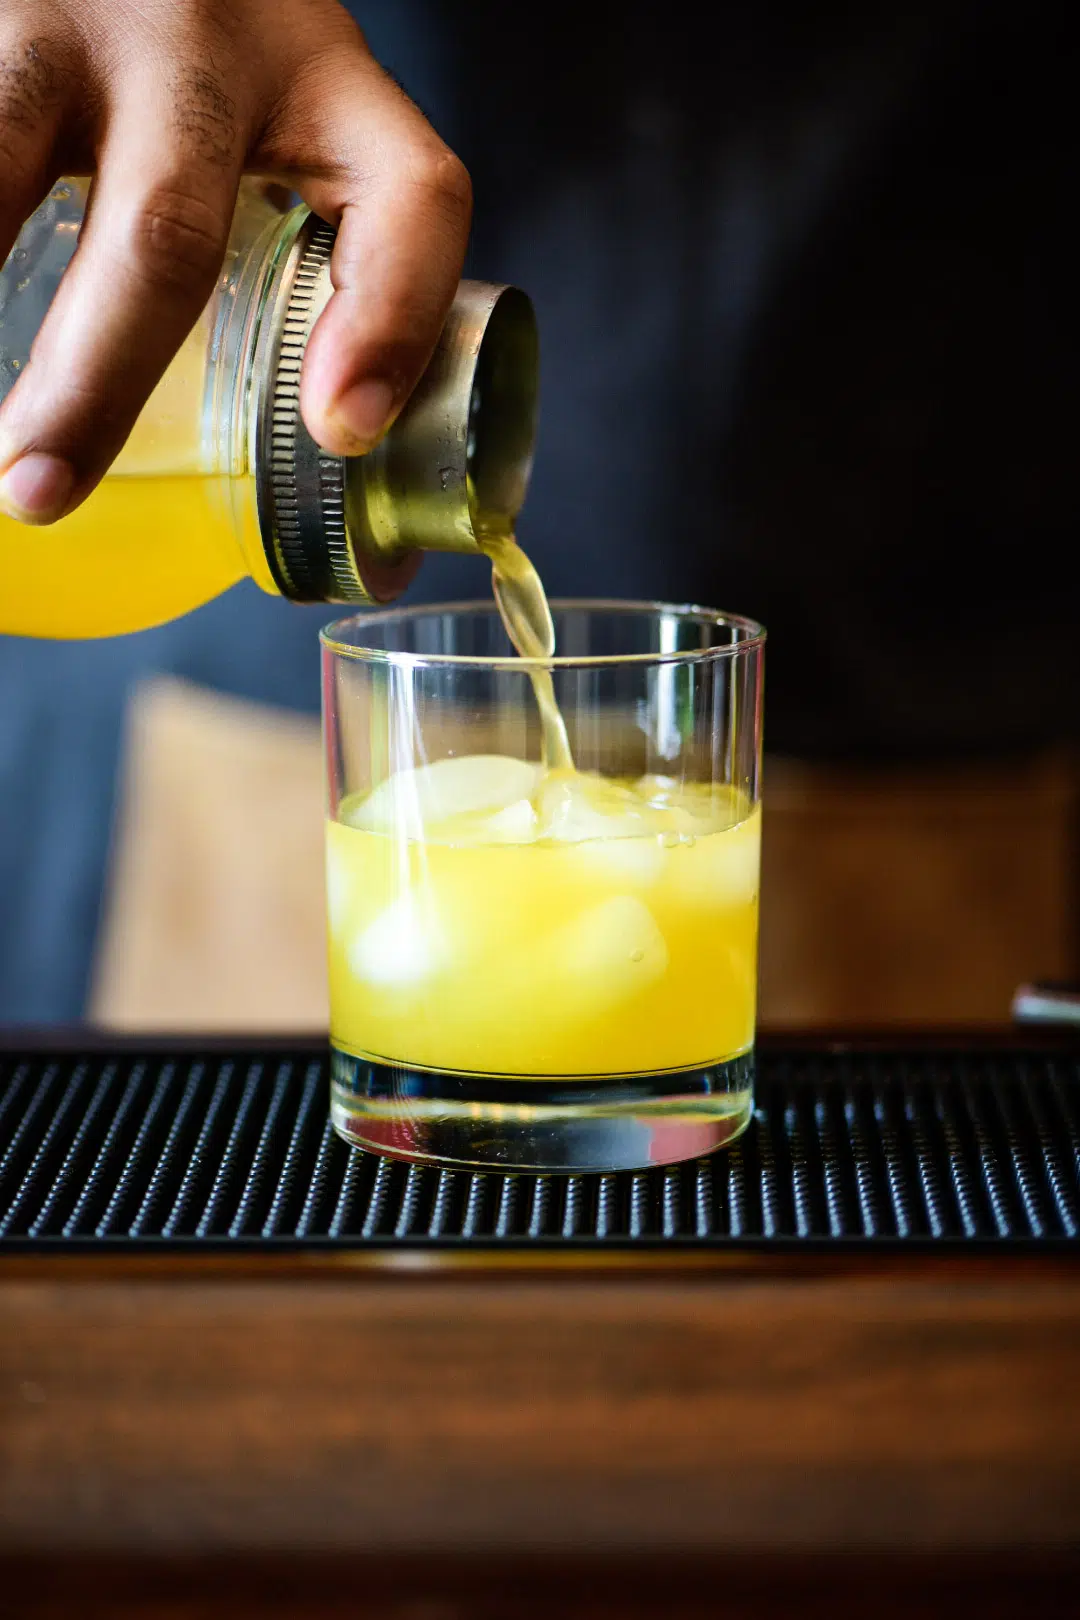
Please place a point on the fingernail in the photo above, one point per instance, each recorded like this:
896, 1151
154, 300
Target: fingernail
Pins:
36, 488
363, 413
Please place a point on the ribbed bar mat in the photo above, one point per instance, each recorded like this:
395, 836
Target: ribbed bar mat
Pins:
181, 1150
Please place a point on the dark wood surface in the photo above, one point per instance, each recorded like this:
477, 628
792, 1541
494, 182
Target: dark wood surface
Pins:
327, 1586
485, 1415
705, 1425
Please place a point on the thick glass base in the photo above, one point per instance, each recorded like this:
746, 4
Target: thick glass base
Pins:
480, 1122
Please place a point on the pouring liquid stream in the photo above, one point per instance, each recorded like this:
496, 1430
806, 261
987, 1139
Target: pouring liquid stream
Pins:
523, 608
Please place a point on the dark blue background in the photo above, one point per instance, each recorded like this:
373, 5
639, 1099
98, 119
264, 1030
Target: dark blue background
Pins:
801, 281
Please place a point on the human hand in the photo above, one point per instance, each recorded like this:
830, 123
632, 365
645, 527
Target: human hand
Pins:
167, 102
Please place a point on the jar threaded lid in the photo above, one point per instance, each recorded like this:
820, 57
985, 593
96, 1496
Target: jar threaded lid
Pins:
301, 488
351, 529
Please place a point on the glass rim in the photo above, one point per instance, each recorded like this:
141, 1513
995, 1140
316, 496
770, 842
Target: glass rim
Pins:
755, 638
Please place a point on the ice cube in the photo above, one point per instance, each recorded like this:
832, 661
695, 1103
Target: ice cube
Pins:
655, 789
517, 824
339, 888
607, 953
430, 795
580, 806
639, 861
695, 807
402, 946
722, 868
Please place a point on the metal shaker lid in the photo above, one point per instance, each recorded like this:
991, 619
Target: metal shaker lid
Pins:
455, 463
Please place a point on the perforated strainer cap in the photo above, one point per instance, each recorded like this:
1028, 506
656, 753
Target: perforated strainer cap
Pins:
456, 461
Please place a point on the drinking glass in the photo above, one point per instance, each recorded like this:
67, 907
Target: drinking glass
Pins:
537, 970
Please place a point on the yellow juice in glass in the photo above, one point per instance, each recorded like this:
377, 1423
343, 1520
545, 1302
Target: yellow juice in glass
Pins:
490, 917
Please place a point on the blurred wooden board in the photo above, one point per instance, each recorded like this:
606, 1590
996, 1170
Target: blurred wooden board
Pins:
903, 896
915, 895
215, 917
162, 1412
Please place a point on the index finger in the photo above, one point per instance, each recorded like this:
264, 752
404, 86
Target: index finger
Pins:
402, 201
149, 251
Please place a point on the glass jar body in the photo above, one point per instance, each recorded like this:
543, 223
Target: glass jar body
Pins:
220, 479
174, 523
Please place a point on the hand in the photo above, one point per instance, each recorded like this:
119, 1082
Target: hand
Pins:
167, 102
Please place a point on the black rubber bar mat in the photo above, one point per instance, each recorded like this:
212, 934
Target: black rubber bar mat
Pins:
232, 1150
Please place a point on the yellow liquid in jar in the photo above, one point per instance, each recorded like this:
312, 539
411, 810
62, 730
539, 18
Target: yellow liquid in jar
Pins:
160, 535
138, 552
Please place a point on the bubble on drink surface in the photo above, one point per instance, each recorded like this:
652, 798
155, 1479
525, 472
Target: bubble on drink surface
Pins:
404, 945
418, 801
